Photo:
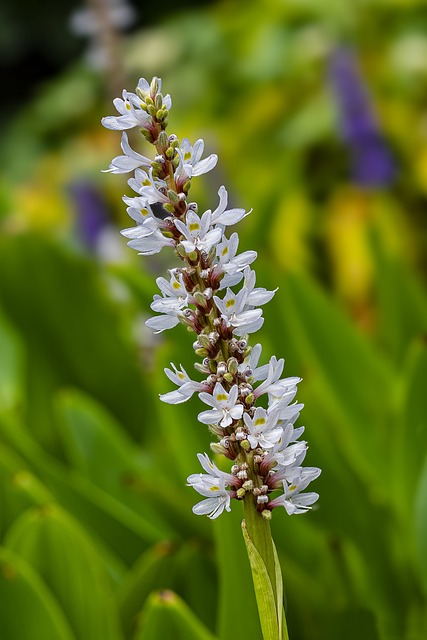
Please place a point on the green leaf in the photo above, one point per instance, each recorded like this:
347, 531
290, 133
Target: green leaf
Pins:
283, 631
61, 552
19, 488
153, 570
101, 450
11, 369
236, 592
421, 526
119, 527
76, 335
167, 616
28, 609
267, 604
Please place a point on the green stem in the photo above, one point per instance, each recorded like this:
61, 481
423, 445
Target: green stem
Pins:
259, 531
260, 534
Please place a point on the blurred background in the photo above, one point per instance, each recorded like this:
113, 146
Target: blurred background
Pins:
318, 112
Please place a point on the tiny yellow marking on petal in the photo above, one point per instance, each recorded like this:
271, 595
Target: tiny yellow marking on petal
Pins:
128, 106
187, 155
230, 303
181, 375
224, 251
221, 396
194, 226
214, 488
144, 212
259, 421
293, 487
176, 285
146, 183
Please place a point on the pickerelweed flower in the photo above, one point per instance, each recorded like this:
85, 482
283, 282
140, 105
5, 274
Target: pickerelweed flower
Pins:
214, 295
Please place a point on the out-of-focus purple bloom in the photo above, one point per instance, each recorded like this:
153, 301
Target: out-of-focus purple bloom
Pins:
91, 212
372, 162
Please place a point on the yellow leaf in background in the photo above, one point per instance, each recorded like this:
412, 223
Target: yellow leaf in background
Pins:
347, 242
288, 238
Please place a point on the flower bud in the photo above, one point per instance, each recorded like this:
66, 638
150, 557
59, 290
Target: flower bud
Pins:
203, 341
202, 352
266, 514
163, 141
241, 493
173, 196
245, 444
228, 377
232, 365
249, 399
154, 86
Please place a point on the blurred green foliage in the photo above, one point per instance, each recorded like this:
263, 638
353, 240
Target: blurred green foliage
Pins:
98, 539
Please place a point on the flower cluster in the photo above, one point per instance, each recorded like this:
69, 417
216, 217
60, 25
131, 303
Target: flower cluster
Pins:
262, 442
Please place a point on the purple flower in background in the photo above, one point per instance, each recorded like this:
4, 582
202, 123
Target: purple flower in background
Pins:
90, 212
372, 162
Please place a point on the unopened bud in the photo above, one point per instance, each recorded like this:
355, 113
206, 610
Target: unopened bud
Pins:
266, 514
241, 492
151, 110
170, 151
161, 114
154, 86
249, 399
234, 469
222, 368
213, 337
242, 475
169, 207
201, 301
262, 499
162, 140
173, 196
248, 485
203, 341
192, 256
232, 365
158, 101
245, 444
228, 377
201, 352
180, 251
200, 367
187, 186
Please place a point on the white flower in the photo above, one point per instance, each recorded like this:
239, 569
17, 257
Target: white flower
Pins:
186, 386
152, 190
292, 499
130, 161
232, 309
197, 232
249, 364
191, 155
271, 376
263, 429
147, 238
175, 296
212, 485
138, 209
222, 215
230, 264
260, 295
131, 113
174, 300
225, 409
